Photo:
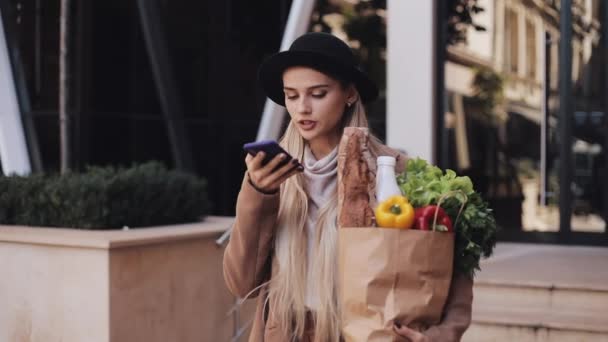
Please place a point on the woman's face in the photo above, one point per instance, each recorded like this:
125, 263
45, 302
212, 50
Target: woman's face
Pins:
315, 102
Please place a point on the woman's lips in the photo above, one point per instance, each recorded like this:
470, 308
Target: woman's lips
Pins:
307, 125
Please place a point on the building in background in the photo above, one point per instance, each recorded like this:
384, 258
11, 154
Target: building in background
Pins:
516, 60
181, 88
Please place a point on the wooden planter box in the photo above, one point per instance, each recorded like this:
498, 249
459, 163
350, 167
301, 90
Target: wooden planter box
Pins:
154, 284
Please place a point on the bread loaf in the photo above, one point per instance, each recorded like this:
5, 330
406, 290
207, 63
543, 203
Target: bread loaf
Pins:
356, 179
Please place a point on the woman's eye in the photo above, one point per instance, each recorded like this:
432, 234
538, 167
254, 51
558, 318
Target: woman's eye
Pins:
319, 95
291, 97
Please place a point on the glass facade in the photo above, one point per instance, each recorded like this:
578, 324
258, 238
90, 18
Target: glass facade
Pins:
118, 118
196, 103
505, 127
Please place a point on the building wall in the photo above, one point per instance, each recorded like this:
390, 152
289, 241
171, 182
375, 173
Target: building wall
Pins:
118, 113
518, 166
493, 48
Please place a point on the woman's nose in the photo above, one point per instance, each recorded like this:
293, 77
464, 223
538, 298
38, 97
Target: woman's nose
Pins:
304, 105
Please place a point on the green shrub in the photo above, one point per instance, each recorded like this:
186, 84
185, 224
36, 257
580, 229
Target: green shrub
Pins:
140, 196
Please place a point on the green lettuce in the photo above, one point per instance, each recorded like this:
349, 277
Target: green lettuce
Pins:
424, 184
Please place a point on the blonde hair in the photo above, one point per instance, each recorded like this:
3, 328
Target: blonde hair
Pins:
287, 288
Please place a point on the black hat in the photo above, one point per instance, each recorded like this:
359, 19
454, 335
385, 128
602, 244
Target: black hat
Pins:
320, 51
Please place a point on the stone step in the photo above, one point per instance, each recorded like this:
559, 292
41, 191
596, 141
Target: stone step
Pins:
535, 325
541, 293
548, 297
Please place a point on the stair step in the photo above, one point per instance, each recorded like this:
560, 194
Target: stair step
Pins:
541, 319
554, 298
541, 293
572, 267
502, 333
537, 325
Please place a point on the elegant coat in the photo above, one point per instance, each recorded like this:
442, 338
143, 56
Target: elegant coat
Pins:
249, 261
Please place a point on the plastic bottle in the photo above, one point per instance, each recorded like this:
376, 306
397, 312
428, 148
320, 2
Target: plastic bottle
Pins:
386, 181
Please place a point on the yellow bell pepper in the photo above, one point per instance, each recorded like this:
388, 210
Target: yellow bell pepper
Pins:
395, 212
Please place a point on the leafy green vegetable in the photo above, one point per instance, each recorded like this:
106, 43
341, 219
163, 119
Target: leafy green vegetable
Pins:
424, 184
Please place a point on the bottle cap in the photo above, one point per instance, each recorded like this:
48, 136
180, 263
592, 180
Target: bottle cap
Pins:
386, 160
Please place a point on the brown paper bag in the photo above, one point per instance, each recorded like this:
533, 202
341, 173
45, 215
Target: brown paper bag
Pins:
385, 275
392, 275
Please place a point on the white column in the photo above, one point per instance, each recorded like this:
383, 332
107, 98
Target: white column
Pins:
13, 148
297, 24
410, 83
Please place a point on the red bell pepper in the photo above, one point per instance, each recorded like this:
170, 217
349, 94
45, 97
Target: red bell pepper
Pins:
425, 216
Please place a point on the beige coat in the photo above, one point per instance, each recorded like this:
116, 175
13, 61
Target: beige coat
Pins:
247, 264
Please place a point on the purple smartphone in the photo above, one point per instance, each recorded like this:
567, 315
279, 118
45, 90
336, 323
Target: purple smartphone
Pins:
271, 148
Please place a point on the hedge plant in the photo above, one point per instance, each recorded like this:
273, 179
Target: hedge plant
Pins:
104, 198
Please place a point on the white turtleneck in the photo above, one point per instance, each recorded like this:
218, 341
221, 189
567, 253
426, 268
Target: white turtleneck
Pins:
321, 181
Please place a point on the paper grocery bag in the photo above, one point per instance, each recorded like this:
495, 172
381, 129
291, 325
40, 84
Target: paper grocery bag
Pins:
392, 275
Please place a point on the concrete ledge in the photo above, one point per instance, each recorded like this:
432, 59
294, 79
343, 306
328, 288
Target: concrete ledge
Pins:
115, 238
148, 284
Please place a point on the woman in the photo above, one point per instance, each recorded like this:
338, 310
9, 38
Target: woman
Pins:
283, 244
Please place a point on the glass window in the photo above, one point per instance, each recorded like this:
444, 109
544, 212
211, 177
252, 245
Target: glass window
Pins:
504, 132
214, 49
531, 47
36, 24
511, 55
595, 9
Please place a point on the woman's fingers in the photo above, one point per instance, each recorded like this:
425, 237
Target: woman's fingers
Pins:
277, 184
286, 171
411, 334
248, 159
273, 181
271, 167
254, 162
270, 176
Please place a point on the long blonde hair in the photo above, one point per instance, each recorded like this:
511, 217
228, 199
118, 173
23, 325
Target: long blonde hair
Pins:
287, 288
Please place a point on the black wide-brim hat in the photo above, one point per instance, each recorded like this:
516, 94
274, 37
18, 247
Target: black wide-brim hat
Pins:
320, 51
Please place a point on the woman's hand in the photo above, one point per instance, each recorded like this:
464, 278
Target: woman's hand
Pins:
411, 334
264, 178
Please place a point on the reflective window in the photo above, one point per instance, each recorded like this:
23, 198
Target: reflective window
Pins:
502, 117
213, 50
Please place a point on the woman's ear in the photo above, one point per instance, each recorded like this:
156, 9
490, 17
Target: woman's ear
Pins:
352, 94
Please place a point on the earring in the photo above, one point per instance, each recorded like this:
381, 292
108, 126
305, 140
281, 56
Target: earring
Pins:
348, 104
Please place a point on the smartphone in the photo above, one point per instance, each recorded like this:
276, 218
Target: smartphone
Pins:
271, 148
